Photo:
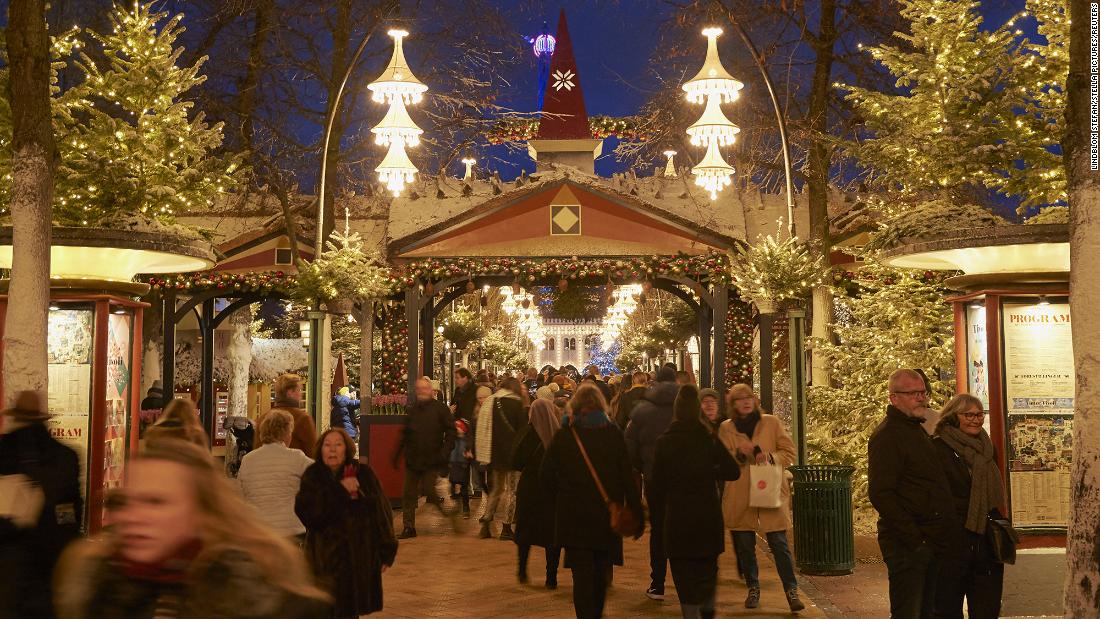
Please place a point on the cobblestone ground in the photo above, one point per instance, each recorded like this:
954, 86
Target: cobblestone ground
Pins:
447, 572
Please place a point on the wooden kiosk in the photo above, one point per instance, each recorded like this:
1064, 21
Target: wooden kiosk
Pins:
1014, 352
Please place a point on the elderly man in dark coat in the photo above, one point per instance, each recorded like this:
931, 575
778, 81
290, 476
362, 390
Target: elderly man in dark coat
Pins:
427, 442
649, 420
40, 508
687, 466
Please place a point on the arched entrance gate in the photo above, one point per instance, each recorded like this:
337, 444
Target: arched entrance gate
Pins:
710, 304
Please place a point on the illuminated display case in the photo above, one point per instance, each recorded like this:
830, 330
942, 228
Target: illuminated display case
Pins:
94, 356
1014, 351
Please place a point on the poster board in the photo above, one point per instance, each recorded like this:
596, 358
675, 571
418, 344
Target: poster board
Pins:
977, 357
69, 344
116, 434
1039, 401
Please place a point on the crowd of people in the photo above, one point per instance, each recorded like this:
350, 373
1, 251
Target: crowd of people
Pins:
572, 467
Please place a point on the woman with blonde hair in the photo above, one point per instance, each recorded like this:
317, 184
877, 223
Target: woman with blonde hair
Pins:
969, 460
180, 538
271, 474
179, 420
755, 437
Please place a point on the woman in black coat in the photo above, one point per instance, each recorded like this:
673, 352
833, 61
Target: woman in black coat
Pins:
534, 518
968, 570
688, 463
582, 524
349, 526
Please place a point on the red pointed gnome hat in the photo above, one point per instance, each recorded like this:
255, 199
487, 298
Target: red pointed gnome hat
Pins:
563, 93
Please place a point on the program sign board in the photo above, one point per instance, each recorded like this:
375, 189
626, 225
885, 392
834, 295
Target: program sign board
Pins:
1039, 398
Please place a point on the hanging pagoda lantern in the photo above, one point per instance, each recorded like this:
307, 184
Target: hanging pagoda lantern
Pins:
397, 86
714, 85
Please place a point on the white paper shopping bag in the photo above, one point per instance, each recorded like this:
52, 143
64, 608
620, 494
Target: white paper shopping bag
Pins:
765, 486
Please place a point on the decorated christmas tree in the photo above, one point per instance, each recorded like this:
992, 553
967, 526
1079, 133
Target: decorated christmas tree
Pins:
897, 319
134, 146
973, 111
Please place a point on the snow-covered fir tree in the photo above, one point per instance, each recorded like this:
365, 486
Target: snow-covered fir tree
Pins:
897, 320
136, 146
973, 111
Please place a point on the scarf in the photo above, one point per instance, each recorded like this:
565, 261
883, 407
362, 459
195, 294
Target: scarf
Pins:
986, 488
544, 419
169, 571
746, 425
286, 403
587, 420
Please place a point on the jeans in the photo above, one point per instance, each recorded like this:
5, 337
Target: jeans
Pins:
658, 562
590, 569
417, 484
912, 575
502, 486
744, 544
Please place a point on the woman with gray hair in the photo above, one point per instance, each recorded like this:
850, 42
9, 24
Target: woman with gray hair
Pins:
534, 504
968, 570
270, 475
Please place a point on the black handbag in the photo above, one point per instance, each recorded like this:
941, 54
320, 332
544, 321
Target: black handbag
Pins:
1003, 540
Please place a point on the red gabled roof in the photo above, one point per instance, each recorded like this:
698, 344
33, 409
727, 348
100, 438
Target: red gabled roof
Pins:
565, 117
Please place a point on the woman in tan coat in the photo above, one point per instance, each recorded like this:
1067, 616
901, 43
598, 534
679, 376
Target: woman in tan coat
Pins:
754, 437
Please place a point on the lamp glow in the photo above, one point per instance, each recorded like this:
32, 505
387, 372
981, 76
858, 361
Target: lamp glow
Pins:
713, 173
396, 170
670, 166
713, 126
712, 79
397, 126
397, 81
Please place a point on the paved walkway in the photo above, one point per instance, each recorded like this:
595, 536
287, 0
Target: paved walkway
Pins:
449, 573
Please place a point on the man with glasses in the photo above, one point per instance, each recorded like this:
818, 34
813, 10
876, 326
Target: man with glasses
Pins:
908, 488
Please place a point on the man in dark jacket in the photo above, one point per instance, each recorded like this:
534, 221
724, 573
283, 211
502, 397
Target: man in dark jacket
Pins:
427, 442
648, 421
908, 488
40, 508
630, 398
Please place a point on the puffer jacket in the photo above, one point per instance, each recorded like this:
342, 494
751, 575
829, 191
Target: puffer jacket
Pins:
648, 421
344, 415
269, 479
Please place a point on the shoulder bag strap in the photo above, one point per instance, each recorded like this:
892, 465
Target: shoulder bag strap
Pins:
499, 407
591, 469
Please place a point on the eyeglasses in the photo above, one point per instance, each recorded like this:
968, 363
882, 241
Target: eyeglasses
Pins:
973, 416
912, 393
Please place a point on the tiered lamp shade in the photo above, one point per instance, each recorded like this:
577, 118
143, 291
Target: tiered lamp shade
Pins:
397, 126
713, 126
396, 170
713, 77
397, 81
713, 173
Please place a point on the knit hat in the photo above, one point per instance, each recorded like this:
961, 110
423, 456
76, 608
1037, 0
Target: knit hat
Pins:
546, 392
708, 393
686, 406
343, 391
484, 392
156, 388
28, 408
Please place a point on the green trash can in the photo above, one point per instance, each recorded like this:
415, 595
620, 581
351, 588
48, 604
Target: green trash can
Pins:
824, 540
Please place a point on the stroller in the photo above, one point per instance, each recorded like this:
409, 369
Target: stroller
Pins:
243, 433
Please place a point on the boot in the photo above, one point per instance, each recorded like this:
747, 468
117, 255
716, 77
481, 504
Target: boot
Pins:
521, 574
506, 533
753, 599
793, 601
485, 532
466, 507
407, 533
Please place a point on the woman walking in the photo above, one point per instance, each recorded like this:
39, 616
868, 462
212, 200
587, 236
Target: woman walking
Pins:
270, 476
182, 543
969, 460
581, 517
349, 526
755, 437
688, 463
534, 503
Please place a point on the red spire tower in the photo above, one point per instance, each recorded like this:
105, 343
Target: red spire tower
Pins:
564, 136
